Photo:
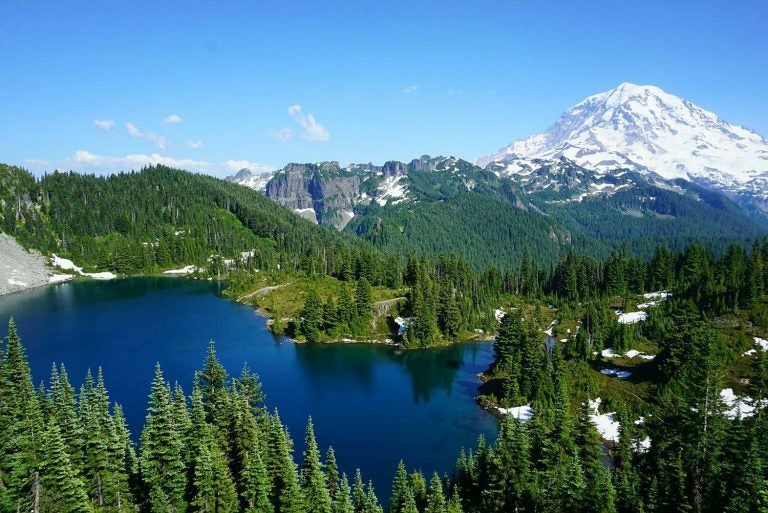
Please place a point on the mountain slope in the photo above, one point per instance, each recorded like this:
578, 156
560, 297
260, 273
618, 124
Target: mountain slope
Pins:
161, 217
490, 216
646, 129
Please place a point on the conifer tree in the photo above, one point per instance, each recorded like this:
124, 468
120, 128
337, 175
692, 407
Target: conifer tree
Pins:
400, 490
161, 463
332, 473
358, 493
313, 482
256, 487
312, 317
342, 502
58, 487
435, 499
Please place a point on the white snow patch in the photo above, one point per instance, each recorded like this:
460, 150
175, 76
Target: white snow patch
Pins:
661, 294
738, 406
69, 265
522, 413
106, 275
65, 263
17, 283
58, 278
402, 324
184, 270
632, 317
390, 188
499, 314
632, 353
762, 343
643, 446
606, 423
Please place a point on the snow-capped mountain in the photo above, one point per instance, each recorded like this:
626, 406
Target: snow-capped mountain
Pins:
646, 129
250, 179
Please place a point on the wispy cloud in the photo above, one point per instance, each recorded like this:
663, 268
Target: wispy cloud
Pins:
412, 89
86, 161
312, 130
194, 144
158, 140
104, 124
282, 135
133, 131
173, 119
237, 165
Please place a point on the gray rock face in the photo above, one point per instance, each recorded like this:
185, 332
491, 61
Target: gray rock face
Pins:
325, 188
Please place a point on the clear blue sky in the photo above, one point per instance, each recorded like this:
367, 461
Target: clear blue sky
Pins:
278, 82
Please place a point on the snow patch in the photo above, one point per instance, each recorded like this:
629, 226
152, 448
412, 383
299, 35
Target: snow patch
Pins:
402, 325
67, 264
738, 406
606, 423
184, 270
58, 278
662, 295
632, 317
391, 188
17, 283
522, 413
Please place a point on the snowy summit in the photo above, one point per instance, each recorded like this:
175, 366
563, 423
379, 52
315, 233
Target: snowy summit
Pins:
647, 129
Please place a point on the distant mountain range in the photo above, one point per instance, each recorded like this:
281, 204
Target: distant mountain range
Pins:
633, 165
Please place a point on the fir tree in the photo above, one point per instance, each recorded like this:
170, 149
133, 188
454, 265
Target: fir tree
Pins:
313, 482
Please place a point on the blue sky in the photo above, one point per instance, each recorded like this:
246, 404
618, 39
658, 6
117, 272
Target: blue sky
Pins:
95, 86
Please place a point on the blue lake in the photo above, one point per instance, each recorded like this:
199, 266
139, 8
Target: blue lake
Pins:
371, 403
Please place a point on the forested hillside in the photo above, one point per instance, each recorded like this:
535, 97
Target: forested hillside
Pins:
490, 216
161, 217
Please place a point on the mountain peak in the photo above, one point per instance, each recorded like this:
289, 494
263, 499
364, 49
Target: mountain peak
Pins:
643, 127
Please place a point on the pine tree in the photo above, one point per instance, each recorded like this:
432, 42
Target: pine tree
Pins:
312, 317
214, 489
61, 489
342, 502
332, 473
358, 493
161, 463
435, 499
313, 482
400, 489
256, 488
21, 421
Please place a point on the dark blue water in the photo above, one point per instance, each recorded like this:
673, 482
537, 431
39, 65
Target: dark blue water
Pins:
373, 405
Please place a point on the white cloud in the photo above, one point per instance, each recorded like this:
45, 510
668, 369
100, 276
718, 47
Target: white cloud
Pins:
311, 129
282, 135
412, 89
173, 119
237, 165
104, 124
159, 141
194, 144
133, 131
86, 161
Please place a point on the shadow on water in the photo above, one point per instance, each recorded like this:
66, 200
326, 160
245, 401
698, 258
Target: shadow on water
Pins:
349, 365
430, 370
